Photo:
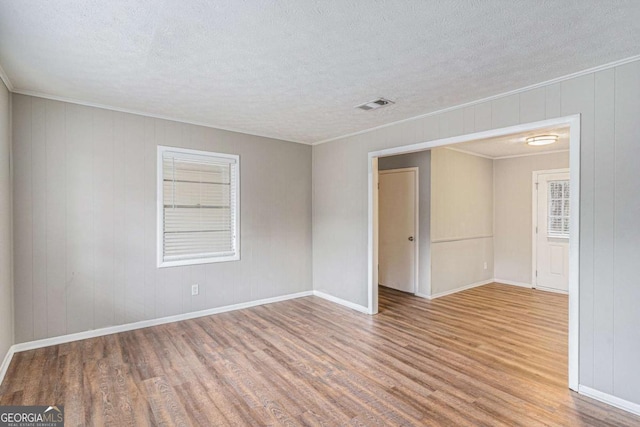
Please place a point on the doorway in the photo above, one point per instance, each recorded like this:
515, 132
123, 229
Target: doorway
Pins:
573, 123
398, 229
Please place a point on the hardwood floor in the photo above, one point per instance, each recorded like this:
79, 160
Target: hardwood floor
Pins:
493, 355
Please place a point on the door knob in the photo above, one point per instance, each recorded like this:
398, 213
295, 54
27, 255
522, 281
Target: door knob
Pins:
411, 238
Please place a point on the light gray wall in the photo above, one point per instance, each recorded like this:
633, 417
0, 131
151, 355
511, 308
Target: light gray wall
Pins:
85, 228
513, 212
609, 104
461, 220
6, 285
422, 161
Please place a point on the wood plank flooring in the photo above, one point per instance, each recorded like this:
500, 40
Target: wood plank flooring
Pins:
493, 355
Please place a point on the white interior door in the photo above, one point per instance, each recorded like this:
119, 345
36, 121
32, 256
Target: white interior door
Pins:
397, 228
552, 232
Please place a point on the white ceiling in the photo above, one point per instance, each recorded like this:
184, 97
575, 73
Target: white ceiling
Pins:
295, 69
515, 145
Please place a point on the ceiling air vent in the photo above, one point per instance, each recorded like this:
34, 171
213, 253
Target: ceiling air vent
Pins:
372, 105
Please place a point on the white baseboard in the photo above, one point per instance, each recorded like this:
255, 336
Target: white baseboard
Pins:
5, 363
586, 391
460, 289
485, 282
634, 408
513, 283
30, 345
555, 291
528, 285
152, 322
349, 304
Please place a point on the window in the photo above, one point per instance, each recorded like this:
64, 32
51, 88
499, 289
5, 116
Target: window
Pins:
558, 220
198, 207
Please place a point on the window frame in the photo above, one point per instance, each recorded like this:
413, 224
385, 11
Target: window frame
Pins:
193, 154
564, 217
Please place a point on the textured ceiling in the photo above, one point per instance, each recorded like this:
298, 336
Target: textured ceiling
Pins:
295, 69
515, 145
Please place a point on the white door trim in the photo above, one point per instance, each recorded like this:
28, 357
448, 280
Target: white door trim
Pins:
416, 225
534, 222
573, 122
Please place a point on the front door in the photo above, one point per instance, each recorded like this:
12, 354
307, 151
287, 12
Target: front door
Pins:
552, 232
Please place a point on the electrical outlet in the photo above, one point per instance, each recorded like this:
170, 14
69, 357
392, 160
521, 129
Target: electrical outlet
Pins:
194, 290
485, 265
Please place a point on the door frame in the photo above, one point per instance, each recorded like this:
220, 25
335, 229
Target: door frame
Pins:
534, 222
573, 121
416, 222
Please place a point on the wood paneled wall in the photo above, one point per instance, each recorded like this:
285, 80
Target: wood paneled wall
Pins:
609, 104
85, 220
6, 279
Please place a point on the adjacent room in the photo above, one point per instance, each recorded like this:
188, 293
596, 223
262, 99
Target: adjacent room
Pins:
319, 213
471, 213
481, 214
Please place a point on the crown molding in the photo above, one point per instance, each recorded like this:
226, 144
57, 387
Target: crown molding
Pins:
146, 114
7, 82
490, 98
5, 79
539, 153
512, 156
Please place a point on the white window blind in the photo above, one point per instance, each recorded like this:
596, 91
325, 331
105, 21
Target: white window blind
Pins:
559, 209
198, 207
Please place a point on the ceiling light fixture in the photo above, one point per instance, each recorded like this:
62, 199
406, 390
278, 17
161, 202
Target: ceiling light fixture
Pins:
542, 140
372, 105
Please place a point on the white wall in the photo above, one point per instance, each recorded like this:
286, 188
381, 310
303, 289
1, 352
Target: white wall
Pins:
422, 161
481, 213
456, 199
609, 104
85, 220
513, 212
6, 285
461, 196
461, 219
459, 263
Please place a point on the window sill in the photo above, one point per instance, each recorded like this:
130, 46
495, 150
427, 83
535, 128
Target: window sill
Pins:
197, 261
